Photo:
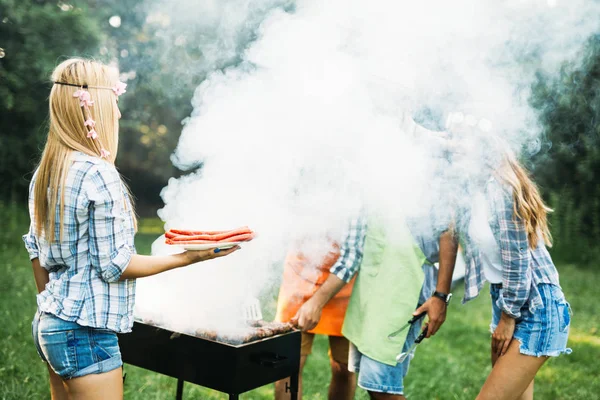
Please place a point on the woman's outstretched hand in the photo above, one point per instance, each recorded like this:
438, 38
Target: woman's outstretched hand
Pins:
204, 255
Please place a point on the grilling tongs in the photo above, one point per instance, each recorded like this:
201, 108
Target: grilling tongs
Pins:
409, 323
402, 356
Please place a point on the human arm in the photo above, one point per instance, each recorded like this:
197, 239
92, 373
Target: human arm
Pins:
39, 274
512, 239
434, 306
309, 314
342, 272
141, 266
111, 235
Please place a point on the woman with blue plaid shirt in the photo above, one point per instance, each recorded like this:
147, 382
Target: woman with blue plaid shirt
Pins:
506, 237
80, 240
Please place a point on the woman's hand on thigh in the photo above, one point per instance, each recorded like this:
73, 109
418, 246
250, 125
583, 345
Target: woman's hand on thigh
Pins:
503, 335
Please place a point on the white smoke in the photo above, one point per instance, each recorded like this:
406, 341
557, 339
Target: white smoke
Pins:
314, 121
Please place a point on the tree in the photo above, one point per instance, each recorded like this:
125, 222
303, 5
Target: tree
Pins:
35, 36
569, 107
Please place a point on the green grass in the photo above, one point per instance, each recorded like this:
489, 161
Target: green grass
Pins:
453, 365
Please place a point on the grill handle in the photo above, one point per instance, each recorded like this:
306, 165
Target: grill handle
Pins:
270, 360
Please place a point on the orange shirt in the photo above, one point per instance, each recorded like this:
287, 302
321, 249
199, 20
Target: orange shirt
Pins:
301, 281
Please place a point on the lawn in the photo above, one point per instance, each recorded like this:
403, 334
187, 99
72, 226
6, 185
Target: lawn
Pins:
453, 365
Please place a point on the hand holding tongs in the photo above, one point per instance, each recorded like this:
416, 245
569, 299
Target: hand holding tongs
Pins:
409, 323
402, 356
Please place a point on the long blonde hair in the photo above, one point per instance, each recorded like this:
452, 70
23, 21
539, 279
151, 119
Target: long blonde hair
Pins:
68, 133
528, 204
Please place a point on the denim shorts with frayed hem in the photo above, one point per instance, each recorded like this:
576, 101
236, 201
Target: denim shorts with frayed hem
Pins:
73, 350
544, 332
375, 376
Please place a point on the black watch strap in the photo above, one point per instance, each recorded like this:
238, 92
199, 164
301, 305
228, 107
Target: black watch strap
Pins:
445, 297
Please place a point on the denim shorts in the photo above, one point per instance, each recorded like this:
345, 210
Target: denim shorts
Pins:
375, 376
545, 331
73, 350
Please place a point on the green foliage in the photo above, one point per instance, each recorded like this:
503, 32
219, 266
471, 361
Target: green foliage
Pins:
569, 109
36, 35
152, 109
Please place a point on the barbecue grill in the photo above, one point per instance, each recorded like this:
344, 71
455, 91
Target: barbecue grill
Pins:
226, 367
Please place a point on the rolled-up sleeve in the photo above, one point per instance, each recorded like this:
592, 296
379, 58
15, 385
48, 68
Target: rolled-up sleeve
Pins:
29, 238
514, 250
31, 243
110, 252
351, 252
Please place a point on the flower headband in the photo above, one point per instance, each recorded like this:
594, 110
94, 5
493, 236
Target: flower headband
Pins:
85, 101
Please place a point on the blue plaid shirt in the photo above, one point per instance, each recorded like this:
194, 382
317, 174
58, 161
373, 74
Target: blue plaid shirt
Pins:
97, 244
523, 268
351, 252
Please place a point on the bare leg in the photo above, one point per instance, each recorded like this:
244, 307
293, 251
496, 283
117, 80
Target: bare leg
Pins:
386, 396
58, 391
106, 386
343, 382
528, 394
280, 392
511, 375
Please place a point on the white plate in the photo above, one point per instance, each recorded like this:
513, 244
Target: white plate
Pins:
208, 246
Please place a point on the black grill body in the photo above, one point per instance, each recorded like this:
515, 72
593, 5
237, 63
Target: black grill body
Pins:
231, 369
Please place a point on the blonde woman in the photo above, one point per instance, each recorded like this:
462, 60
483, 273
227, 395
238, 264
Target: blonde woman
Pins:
81, 236
508, 233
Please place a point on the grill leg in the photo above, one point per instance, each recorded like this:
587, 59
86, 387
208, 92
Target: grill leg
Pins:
234, 396
179, 395
293, 388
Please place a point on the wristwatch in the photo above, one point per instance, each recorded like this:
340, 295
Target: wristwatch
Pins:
445, 297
